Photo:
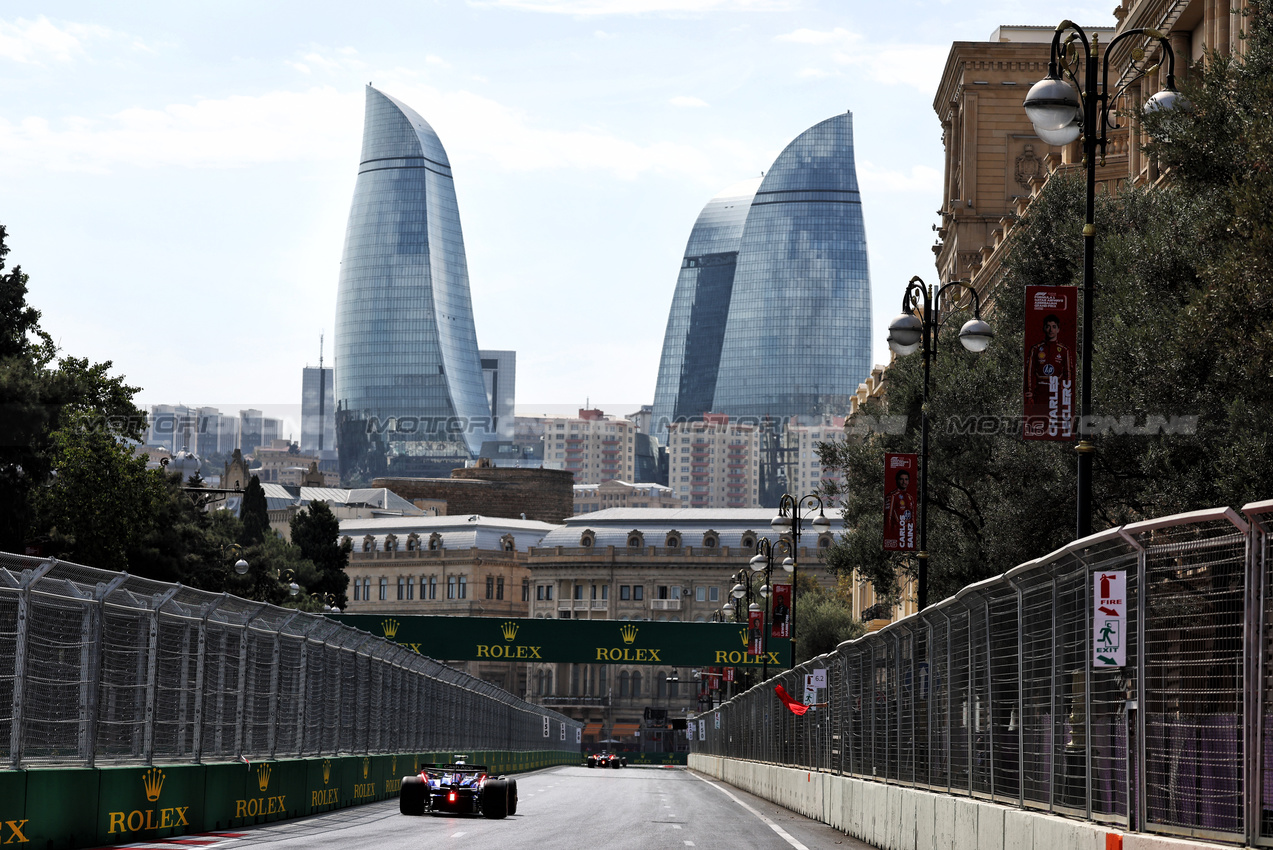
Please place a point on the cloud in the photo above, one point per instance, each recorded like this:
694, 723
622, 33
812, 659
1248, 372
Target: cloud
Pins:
636, 7
325, 124
32, 41
916, 65
921, 179
687, 101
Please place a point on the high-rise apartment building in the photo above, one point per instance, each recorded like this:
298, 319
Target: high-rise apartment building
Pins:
593, 446
410, 393
804, 471
715, 463
772, 311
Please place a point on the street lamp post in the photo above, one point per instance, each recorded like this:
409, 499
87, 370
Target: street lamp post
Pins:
906, 334
1061, 115
763, 561
792, 514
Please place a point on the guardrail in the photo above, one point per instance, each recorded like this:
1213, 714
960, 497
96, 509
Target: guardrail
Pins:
100, 668
993, 693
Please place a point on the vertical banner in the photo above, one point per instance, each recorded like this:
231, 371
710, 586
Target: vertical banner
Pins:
1051, 328
901, 482
755, 632
781, 626
1109, 619
729, 674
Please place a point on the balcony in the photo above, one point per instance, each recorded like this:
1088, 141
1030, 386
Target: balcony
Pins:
665, 605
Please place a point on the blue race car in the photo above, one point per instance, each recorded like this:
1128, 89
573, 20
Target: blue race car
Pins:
458, 788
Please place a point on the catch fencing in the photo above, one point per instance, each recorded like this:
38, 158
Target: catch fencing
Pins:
100, 667
993, 693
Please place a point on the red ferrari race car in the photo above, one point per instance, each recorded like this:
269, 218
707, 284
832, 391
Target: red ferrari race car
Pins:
458, 788
604, 759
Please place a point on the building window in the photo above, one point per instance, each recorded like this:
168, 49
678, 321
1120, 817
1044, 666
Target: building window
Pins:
713, 594
450, 587
638, 592
605, 592
700, 594
578, 591
490, 587
411, 587
525, 590
357, 588
499, 588
636, 684
433, 587
624, 684
384, 589
539, 593
625, 592
402, 588
464, 587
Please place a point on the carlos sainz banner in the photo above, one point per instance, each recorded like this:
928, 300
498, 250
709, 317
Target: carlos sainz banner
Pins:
1051, 314
900, 513
574, 641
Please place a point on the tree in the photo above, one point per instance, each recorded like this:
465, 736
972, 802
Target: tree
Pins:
825, 621
1182, 364
316, 533
254, 513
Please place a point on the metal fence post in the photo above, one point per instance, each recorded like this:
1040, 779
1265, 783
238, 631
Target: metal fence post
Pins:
1020, 692
20, 659
272, 736
1052, 711
200, 674
158, 601
91, 667
240, 702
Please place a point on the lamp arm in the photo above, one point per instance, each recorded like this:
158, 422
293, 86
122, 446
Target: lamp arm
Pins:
1105, 123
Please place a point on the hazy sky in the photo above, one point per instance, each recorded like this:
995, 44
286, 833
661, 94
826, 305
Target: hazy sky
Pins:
176, 177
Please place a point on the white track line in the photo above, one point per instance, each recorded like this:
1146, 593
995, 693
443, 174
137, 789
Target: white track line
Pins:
786, 836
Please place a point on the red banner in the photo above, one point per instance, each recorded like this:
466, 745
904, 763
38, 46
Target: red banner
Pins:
755, 632
781, 625
729, 674
1051, 327
901, 483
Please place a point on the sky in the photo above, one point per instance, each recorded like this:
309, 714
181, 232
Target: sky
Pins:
176, 178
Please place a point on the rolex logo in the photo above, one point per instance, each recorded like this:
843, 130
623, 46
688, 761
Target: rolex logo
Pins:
153, 781
393, 771
509, 629
390, 627
263, 776
742, 635
366, 766
629, 633
327, 771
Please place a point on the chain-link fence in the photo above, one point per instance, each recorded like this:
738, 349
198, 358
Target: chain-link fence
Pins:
995, 693
105, 667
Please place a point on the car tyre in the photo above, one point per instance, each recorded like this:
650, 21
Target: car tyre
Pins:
512, 796
495, 799
412, 795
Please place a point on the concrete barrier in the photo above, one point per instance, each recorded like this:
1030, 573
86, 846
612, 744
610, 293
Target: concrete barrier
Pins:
895, 817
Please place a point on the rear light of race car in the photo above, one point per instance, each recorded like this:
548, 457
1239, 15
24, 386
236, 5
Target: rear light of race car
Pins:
450, 798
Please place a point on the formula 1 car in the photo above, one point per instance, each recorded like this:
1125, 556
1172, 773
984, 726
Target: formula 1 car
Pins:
604, 759
458, 788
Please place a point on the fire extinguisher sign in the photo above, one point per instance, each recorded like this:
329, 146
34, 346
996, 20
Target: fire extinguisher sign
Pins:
1109, 619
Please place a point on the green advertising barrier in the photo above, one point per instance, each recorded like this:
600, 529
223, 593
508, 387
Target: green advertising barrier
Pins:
244, 794
657, 758
61, 810
323, 782
572, 641
144, 803
13, 807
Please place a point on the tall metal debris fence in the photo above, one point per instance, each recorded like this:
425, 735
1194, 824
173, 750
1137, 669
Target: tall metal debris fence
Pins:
98, 666
993, 693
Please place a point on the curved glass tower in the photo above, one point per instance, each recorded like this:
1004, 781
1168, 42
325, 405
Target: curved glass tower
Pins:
700, 305
797, 339
409, 389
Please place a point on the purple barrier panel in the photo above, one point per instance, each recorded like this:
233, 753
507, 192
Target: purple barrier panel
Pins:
1218, 762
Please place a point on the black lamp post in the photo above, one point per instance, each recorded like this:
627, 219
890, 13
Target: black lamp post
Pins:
906, 334
763, 561
1061, 115
792, 514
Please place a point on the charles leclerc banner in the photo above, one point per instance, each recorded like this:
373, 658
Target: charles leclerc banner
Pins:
755, 632
900, 484
1051, 319
781, 626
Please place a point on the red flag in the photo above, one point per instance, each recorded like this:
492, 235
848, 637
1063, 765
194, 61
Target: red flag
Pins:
796, 707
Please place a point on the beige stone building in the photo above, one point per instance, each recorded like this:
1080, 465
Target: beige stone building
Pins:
621, 494
714, 463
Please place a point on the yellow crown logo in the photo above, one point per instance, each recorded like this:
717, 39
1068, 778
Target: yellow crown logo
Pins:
390, 627
629, 633
742, 635
366, 766
509, 629
327, 771
263, 776
153, 781
393, 771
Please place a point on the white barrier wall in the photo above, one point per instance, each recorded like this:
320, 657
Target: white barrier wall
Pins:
892, 817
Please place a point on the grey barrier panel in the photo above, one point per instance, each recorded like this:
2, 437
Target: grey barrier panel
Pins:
106, 667
993, 693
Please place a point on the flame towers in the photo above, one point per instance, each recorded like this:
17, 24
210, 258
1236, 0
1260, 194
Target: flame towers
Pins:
409, 387
772, 312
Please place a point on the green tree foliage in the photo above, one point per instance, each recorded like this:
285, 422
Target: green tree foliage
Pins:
39, 393
1182, 389
255, 514
824, 621
316, 534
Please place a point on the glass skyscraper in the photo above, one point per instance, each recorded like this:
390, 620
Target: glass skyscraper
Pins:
782, 327
410, 395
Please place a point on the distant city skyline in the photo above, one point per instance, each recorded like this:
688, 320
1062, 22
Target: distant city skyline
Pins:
190, 168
